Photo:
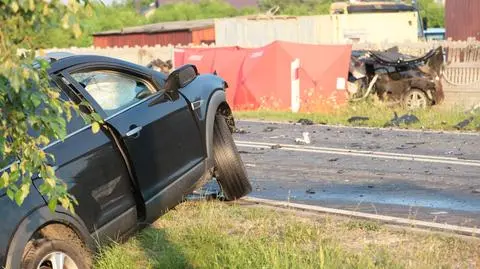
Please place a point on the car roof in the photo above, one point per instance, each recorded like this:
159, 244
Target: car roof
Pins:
73, 60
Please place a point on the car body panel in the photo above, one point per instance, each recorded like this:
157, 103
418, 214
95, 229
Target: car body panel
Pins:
95, 174
12, 215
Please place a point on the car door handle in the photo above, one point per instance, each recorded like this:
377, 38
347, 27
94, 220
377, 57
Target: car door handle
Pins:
135, 132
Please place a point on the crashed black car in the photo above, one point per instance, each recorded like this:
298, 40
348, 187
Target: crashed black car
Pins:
162, 138
414, 82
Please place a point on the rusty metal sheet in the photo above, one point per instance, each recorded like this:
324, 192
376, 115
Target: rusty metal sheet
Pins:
462, 19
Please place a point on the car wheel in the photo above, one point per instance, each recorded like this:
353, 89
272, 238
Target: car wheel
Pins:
415, 99
53, 254
229, 168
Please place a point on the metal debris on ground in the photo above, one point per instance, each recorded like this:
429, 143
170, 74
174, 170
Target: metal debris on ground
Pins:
304, 140
248, 152
357, 118
333, 160
406, 119
211, 190
310, 191
406, 147
240, 131
305, 122
463, 123
269, 129
277, 146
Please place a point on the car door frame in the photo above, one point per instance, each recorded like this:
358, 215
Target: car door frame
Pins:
92, 66
165, 196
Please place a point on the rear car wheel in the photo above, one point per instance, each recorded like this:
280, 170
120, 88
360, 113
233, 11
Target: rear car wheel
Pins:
53, 254
415, 99
230, 171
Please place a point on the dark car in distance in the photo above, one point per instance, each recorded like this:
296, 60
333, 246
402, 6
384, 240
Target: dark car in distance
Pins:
162, 138
414, 82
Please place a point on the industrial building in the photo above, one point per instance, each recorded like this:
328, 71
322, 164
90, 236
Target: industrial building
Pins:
178, 32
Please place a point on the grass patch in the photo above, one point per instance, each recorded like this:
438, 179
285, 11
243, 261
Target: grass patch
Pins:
434, 118
217, 235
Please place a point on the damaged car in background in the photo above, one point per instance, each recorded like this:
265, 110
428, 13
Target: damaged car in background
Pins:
413, 82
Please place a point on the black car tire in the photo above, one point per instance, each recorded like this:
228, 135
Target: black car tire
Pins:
230, 170
37, 251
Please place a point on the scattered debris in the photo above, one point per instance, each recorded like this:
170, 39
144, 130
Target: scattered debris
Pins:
250, 165
211, 190
304, 140
305, 122
368, 132
248, 152
406, 147
333, 160
370, 186
406, 119
357, 118
310, 191
277, 146
240, 131
415, 143
269, 129
355, 145
439, 213
463, 124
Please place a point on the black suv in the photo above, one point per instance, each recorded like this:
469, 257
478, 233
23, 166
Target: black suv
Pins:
162, 138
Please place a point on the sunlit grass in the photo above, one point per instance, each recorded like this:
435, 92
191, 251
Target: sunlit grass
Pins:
218, 235
434, 118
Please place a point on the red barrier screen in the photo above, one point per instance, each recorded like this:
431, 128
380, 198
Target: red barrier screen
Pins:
279, 76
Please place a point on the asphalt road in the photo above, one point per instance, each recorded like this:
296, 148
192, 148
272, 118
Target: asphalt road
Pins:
429, 176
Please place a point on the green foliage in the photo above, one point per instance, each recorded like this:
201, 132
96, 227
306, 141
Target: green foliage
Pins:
434, 12
204, 9
31, 113
298, 7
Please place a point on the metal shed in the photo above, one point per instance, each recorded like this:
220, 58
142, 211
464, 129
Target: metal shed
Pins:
178, 32
462, 19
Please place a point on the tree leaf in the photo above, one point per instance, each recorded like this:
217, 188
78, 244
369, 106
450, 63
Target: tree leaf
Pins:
10, 194
22, 193
4, 179
95, 127
52, 204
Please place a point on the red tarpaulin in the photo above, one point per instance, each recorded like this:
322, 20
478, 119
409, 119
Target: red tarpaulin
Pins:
279, 76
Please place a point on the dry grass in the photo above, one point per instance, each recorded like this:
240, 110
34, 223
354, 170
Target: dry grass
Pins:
217, 235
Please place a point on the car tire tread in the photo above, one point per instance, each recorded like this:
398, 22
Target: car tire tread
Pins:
230, 170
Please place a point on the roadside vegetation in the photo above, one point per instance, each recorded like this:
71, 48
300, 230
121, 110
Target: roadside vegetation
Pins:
218, 235
379, 115
99, 17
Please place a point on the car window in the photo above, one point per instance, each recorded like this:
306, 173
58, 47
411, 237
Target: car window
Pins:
112, 91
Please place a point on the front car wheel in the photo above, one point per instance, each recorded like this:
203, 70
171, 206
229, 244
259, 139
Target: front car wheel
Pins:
53, 254
229, 168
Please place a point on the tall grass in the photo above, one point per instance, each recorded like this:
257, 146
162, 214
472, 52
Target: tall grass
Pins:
216, 235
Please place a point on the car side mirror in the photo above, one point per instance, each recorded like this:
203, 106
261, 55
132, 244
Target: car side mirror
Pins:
181, 77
